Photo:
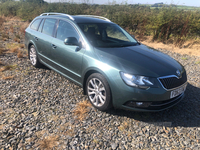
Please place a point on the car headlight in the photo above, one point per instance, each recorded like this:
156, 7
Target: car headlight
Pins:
138, 81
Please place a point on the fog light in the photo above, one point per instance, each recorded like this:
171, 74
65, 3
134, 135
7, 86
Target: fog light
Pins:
137, 104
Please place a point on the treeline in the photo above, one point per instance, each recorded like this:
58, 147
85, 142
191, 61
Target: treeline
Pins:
167, 24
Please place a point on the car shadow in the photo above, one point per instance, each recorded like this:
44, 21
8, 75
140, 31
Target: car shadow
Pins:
185, 114
44, 67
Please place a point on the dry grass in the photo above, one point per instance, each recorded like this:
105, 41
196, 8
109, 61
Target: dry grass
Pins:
53, 117
1, 127
67, 129
15, 39
7, 77
39, 134
5, 36
48, 143
14, 49
24, 26
70, 132
21, 46
11, 29
191, 47
4, 68
123, 126
19, 54
81, 109
17, 36
2, 50
2, 20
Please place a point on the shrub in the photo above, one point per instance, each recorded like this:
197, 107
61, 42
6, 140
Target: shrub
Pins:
163, 23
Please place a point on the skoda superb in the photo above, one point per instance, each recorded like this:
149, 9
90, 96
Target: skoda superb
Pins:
114, 69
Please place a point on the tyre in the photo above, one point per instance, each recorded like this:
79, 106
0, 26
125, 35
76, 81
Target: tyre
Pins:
34, 57
98, 92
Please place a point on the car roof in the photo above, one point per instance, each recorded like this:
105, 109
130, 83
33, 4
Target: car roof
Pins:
77, 18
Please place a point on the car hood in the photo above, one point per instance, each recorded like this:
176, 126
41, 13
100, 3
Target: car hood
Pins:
139, 60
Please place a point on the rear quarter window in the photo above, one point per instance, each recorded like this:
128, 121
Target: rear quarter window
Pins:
41, 25
35, 24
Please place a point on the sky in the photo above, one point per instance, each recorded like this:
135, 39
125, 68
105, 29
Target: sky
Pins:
176, 2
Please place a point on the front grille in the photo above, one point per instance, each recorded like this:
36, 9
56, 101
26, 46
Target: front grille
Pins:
173, 82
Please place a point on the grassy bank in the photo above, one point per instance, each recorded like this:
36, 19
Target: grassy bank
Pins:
166, 24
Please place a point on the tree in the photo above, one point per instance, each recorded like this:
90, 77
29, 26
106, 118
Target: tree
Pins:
2, 1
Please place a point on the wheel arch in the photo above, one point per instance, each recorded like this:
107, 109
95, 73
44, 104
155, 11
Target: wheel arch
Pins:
29, 45
88, 73
109, 104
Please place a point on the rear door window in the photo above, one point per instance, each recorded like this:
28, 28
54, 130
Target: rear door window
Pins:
35, 24
48, 26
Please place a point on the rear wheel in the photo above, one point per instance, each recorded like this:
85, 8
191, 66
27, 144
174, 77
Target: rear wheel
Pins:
34, 57
98, 92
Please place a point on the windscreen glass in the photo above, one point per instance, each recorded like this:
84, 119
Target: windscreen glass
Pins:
107, 35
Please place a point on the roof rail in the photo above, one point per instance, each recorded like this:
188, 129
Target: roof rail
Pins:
53, 13
95, 17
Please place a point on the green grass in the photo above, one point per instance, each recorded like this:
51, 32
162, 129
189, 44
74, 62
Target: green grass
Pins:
188, 7
181, 7
184, 58
198, 62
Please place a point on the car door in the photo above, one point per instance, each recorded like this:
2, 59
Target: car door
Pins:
44, 39
34, 32
38, 38
67, 58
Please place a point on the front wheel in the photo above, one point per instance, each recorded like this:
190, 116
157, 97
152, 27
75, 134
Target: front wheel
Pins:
98, 92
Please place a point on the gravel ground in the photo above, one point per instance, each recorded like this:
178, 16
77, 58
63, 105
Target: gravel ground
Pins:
37, 111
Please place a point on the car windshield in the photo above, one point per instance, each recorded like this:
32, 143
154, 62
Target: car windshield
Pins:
107, 35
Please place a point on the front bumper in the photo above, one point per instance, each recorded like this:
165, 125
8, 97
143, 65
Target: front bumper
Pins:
154, 99
157, 105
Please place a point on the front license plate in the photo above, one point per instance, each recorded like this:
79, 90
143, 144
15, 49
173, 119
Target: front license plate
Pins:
178, 91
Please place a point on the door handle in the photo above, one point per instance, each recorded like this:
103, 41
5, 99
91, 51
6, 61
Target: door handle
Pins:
53, 46
36, 38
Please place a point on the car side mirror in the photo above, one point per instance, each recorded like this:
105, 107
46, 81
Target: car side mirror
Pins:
71, 41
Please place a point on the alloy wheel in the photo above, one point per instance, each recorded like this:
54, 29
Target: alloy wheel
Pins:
96, 92
33, 56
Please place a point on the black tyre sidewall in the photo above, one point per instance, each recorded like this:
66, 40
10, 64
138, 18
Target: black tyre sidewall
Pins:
108, 103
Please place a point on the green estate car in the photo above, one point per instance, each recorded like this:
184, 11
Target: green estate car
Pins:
114, 69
